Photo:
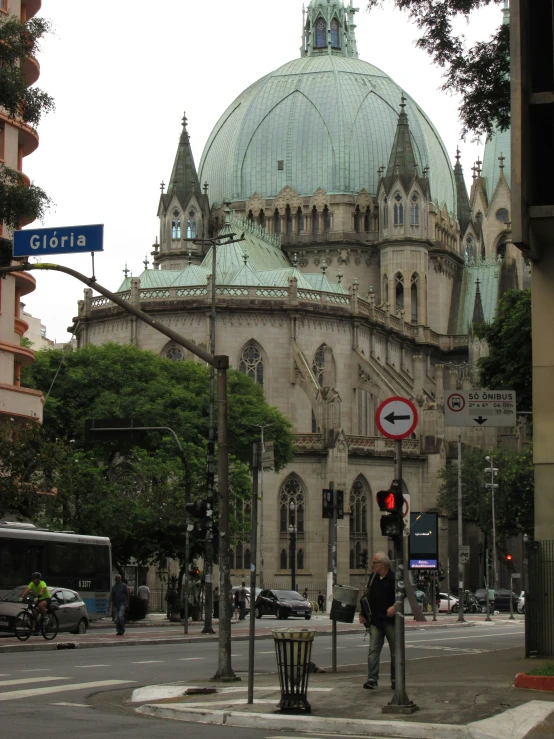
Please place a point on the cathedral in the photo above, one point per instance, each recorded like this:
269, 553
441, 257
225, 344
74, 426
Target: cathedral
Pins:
363, 265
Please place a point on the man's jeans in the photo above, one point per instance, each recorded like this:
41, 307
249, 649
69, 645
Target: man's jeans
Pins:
119, 613
242, 607
377, 636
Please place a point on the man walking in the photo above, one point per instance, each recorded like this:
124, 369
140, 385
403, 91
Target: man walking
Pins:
242, 601
377, 613
119, 602
144, 594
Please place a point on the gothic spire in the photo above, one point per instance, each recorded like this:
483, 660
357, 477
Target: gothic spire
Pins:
184, 178
478, 314
463, 209
402, 159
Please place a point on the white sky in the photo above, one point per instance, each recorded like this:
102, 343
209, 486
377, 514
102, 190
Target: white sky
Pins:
123, 72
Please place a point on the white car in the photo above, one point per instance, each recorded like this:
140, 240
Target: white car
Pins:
443, 602
521, 602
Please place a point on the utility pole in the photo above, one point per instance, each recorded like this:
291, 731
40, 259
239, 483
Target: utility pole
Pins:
292, 532
460, 534
256, 464
262, 428
493, 486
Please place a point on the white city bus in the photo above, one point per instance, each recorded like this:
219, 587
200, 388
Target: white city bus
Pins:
65, 559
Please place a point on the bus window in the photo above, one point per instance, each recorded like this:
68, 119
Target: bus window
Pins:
35, 560
61, 558
12, 564
102, 559
86, 559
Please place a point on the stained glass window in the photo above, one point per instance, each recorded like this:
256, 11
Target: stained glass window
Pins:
414, 210
175, 353
292, 492
321, 34
398, 210
319, 364
252, 363
334, 34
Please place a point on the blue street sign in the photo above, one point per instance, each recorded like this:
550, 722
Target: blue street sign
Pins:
65, 240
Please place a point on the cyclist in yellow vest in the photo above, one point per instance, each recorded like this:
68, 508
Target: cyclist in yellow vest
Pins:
39, 590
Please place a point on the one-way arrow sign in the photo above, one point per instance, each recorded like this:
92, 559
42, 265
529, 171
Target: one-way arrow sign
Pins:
396, 418
480, 420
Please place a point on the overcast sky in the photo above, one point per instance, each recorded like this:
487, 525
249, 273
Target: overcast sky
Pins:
123, 72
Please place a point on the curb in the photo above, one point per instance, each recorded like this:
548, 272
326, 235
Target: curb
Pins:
534, 682
199, 639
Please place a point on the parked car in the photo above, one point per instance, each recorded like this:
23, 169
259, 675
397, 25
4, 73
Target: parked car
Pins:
501, 598
445, 602
521, 602
71, 612
282, 603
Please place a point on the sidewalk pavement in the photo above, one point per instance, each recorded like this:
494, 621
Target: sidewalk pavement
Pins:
157, 630
464, 696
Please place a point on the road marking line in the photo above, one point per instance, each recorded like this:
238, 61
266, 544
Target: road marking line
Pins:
75, 705
43, 669
476, 636
150, 662
82, 667
271, 652
26, 680
188, 659
18, 694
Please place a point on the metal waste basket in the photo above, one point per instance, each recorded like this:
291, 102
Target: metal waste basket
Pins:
293, 649
344, 603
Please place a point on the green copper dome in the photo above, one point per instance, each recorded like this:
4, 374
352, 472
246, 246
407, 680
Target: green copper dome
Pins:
324, 121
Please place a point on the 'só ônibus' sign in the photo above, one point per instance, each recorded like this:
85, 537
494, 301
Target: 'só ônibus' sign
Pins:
65, 240
480, 408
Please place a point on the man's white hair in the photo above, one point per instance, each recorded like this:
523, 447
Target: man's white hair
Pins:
382, 557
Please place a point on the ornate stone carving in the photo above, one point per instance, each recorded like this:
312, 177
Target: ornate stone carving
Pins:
319, 199
255, 204
363, 198
287, 196
344, 256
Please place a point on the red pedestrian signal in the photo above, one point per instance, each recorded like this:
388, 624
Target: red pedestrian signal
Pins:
509, 558
391, 502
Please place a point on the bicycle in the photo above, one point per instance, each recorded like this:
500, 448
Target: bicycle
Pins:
47, 625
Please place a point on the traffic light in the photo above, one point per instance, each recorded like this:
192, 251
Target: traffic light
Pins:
363, 560
203, 511
391, 502
509, 562
327, 508
194, 573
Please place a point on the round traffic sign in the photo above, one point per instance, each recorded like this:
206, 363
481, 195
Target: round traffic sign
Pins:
456, 402
396, 417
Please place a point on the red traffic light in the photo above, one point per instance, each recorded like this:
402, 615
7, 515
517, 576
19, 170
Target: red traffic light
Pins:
509, 558
390, 501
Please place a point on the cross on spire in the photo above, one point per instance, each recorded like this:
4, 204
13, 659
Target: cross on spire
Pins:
245, 258
501, 159
126, 271
324, 267
458, 155
478, 164
295, 260
146, 262
190, 257
162, 186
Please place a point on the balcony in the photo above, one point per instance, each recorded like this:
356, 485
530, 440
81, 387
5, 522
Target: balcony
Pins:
30, 68
21, 402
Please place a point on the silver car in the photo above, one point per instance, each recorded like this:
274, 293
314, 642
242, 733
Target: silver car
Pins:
71, 611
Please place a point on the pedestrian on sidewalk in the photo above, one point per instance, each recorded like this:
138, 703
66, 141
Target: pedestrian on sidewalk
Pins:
242, 601
377, 610
144, 594
305, 594
321, 602
216, 602
119, 602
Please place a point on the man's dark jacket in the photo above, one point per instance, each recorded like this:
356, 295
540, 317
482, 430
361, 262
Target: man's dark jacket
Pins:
378, 598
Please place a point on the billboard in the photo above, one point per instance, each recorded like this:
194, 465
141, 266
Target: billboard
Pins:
424, 541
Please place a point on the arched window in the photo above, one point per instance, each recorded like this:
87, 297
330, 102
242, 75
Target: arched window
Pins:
315, 224
414, 296
414, 210
398, 210
288, 219
470, 252
385, 289
251, 363
283, 560
299, 221
399, 290
238, 556
276, 222
366, 220
292, 492
315, 429
326, 220
300, 559
175, 353
359, 497
318, 365
334, 34
247, 559
320, 34
176, 228
191, 229
357, 219
501, 247
261, 218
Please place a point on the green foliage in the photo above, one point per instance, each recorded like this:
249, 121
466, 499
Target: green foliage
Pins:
546, 671
17, 41
19, 203
132, 492
514, 497
509, 364
481, 74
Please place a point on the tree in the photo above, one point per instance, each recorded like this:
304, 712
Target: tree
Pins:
133, 492
513, 497
509, 363
480, 74
20, 203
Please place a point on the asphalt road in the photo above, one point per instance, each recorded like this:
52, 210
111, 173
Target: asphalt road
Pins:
81, 692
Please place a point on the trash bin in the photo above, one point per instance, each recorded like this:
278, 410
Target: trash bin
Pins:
293, 649
344, 603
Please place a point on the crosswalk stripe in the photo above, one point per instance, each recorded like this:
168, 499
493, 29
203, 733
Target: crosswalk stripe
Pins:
188, 659
74, 705
149, 662
26, 680
42, 669
18, 694
82, 667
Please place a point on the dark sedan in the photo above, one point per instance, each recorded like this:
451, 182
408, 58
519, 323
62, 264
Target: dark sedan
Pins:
71, 611
282, 603
501, 598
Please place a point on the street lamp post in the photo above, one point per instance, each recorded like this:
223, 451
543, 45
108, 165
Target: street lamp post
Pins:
493, 486
292, 534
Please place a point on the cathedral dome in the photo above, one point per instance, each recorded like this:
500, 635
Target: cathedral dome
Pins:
322, 121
